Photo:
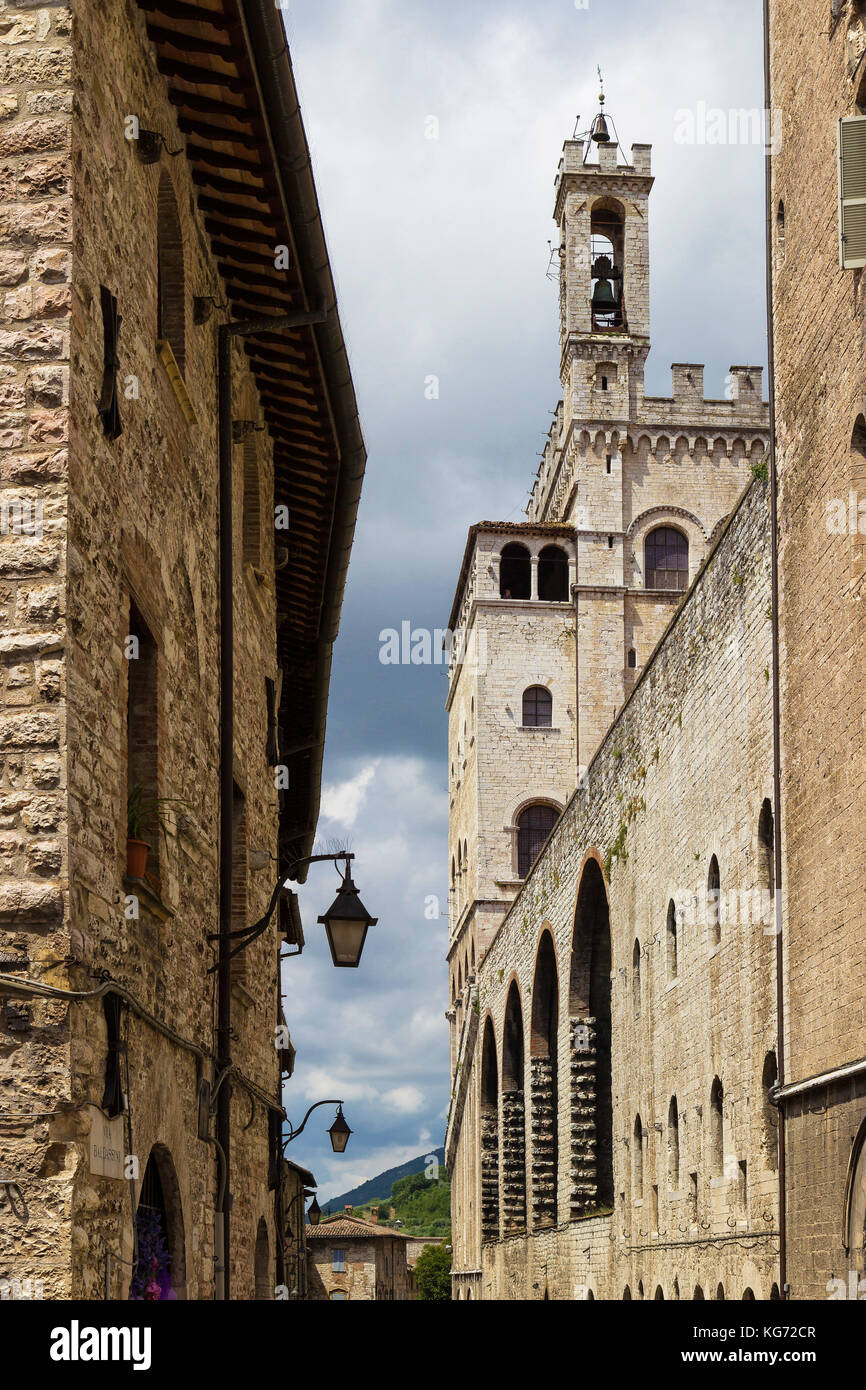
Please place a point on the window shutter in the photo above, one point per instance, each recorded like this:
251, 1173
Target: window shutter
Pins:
852, 192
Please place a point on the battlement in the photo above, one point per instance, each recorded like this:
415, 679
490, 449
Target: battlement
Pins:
572, 161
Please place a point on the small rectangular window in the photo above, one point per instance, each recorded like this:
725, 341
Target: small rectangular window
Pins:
852, 192
339, 1261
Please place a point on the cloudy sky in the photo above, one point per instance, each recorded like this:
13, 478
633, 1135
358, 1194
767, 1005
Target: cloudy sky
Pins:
440, 252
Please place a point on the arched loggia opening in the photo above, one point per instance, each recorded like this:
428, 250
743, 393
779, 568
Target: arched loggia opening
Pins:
159, 1274
489, 1137
590, 1025
515, 572
513, 1117
543, 1081
553, 575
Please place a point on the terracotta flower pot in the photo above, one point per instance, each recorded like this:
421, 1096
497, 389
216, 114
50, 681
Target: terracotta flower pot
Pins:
136, 858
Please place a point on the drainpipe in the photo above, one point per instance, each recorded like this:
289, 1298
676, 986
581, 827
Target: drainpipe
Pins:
227, 694
777, 742
227, 333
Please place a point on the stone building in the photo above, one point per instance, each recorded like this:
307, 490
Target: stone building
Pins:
612, 946
351, 1259
818, 254
178, 505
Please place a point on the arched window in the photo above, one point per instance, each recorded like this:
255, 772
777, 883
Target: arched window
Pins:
489, 1137
637, 1160
171, 295
667, 559
774, 1293
553, 575
720, 1293
769, 1113
698, 1294
672, 943
714, 894
513, 1117
635, 977
537, 708
544, 1089
858, 437
515, 572
748, 1296
673, 1144
262, 1263
717, 1130
632, 659
590, 1011
252, 513
533, 827
626, 1294
659, 1294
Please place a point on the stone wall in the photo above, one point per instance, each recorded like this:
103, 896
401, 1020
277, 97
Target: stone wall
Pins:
681, 776
141, 513
819, 346
37, 1047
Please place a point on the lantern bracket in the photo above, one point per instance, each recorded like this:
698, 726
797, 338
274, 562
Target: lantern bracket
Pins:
293, 1133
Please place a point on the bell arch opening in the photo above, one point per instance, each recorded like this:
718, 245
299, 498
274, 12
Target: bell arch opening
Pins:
607, 259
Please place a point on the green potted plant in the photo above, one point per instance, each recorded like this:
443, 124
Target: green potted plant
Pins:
142, 813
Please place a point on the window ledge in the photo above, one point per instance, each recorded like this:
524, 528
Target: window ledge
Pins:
147, 894
538, 729
672, 984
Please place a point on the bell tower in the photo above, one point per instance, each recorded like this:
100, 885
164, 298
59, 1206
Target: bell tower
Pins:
602, 210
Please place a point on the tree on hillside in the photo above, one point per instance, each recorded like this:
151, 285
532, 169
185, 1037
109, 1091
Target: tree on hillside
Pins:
433, 1273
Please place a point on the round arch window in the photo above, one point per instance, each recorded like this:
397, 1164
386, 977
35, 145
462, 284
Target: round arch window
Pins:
533, 827
537, 708
667, 560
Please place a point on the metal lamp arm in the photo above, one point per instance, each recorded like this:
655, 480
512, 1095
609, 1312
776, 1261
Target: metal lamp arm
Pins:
293, 1133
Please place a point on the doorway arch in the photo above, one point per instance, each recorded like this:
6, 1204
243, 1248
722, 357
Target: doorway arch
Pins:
160, 1271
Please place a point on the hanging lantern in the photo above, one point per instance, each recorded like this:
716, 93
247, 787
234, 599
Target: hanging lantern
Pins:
346, 923
314, 1213
339, 1133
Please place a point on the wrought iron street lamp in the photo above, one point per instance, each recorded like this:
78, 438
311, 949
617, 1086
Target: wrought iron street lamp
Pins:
338, 1133
346, 923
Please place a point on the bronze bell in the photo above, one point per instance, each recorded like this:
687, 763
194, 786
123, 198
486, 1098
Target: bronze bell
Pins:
599, 132
603, 298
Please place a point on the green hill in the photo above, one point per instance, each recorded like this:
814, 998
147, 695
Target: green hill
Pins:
379, 1188
416, 1204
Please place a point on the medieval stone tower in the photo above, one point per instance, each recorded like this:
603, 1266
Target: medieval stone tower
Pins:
564, 610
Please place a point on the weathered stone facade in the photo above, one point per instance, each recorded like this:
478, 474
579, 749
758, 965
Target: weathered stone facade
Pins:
350, 1260
821, 463
111, 660
613, 1004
